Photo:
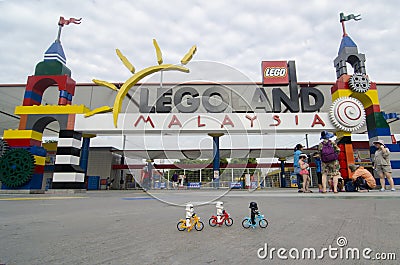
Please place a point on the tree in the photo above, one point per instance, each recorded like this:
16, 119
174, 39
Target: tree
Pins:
207, 174
239, 173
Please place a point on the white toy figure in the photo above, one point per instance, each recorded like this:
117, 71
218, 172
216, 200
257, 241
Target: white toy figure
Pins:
220, 211
189, 212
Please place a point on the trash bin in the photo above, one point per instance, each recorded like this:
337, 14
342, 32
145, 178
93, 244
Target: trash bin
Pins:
93, 183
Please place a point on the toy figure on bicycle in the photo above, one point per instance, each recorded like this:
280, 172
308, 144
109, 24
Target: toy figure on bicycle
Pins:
254, 214
221, 217
191, 221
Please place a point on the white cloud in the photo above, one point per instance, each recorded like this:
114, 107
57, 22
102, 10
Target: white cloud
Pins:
237, 33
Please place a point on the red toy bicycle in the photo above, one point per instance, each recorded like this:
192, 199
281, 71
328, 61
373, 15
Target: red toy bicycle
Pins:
224, 218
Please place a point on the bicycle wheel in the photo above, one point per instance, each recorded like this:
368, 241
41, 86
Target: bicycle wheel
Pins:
229, 222
246, 223
199, 226
263, 223
212, 222
181, 226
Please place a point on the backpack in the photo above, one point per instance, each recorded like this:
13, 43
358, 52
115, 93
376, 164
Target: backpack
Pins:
350, 186
328, 153
360, 183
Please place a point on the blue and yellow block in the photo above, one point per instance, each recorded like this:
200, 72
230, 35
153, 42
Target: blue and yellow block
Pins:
24, 139
36, 180
65, 98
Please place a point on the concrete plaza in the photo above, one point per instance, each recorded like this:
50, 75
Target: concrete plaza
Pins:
133, 227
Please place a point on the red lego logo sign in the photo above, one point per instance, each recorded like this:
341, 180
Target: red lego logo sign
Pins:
275, 73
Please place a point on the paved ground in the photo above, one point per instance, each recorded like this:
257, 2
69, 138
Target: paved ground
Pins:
131, 227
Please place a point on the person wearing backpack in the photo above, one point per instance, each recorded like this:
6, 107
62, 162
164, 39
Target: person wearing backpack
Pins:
329, 151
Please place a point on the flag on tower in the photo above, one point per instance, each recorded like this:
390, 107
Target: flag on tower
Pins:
64, 21
349, 17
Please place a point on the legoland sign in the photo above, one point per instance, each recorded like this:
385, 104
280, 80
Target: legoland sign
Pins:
216, 98
219, 108
222, 98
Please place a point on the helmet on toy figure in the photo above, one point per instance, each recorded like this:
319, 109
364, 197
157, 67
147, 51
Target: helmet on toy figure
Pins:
253, 205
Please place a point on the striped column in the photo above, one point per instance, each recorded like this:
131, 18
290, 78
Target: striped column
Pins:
67, 172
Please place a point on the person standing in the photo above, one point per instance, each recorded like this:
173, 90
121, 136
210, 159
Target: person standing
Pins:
318, 169
298, 150
329, 151
108, 183
175, 180
382, 164
305, 174
145, 179
121, 183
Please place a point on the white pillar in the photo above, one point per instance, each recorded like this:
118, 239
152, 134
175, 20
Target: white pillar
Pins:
200, 176
168, 179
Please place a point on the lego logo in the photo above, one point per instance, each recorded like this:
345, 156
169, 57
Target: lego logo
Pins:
275, 72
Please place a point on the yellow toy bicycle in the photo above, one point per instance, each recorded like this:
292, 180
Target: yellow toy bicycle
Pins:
194, 222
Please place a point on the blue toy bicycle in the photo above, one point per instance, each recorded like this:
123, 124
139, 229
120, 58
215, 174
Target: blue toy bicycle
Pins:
259, 219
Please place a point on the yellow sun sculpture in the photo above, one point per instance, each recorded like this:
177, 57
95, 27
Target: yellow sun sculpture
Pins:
136, 77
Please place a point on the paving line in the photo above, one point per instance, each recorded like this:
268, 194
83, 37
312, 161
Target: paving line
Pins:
39, 199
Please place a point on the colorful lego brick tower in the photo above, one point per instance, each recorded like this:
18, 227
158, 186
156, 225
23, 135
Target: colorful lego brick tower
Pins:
52, 71
351, 90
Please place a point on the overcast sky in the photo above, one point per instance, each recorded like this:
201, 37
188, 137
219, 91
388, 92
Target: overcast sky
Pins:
237, 33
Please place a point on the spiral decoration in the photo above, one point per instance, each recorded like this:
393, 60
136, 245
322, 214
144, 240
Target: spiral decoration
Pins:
347, 114
16, 167
359, 83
